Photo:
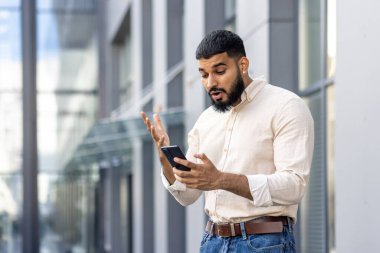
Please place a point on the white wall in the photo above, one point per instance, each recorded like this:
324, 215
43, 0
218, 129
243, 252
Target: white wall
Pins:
357, 126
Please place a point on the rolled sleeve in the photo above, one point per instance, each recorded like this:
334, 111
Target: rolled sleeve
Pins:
180, 192
259, 188
176, 186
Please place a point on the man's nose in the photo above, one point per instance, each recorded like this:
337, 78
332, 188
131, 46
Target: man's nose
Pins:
211, 81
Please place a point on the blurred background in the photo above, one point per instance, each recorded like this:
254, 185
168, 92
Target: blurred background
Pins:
78, 173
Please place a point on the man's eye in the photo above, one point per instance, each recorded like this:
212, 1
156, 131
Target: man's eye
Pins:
221, 72
204, 76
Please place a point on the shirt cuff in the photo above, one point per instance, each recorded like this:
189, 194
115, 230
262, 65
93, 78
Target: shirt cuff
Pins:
176, 186
258, 185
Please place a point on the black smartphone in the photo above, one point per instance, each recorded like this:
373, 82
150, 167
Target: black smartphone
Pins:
174, 151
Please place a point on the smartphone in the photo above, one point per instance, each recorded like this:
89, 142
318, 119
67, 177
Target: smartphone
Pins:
174, 151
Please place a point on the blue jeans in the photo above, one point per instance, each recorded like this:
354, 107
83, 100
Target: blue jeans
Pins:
263, 243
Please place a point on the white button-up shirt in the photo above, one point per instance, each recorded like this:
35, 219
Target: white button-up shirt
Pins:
268, 137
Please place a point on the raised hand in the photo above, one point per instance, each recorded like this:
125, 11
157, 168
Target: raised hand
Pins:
157, 130
160, 138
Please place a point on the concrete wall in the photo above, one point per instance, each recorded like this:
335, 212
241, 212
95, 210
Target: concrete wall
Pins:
357, 126
194, 32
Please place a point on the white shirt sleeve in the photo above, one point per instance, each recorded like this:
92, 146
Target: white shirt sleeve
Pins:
180, 192
293, 144
258, 185
176, 186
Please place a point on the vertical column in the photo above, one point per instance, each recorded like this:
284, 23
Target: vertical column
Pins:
213, 20
159, 16
148, 222
104, 103
194, 25
357, 177
116, 219
30, 198
176, 213
283, 63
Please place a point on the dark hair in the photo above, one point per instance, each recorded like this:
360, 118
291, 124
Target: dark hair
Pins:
220, 41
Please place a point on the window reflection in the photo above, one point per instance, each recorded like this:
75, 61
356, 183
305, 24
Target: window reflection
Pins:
125, 71
331, 165
331, 37
310, 48
317, 52
66, 98
10, 3
230, 14
10, 126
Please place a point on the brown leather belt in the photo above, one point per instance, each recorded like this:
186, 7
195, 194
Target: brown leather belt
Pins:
262, 225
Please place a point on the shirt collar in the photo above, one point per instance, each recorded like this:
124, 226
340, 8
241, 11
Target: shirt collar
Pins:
253, 89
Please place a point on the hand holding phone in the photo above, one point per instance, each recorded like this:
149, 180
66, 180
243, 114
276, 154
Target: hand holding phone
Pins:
174, 151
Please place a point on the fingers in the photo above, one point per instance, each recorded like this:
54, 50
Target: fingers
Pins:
161, 141
158, 122
181, 175
202, 157
150, 127
146, 121
184, 162
156, 130
149, 124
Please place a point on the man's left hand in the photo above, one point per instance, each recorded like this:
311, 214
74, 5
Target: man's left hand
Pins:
203, 176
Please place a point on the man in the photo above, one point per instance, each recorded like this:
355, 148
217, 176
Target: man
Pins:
249, 153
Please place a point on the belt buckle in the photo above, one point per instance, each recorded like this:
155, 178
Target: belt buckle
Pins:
219, 228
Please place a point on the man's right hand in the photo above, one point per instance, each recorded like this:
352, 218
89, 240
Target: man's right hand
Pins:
160, 138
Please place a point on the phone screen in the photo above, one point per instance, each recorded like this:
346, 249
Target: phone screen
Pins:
174, 151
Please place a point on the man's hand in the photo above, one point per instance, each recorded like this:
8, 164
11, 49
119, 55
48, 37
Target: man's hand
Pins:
157, 131
206, 177
203, 176
160, 138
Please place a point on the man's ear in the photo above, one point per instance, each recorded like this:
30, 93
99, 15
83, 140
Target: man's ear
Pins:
244, 65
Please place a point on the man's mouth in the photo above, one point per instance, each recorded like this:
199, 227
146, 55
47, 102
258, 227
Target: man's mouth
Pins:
216, 95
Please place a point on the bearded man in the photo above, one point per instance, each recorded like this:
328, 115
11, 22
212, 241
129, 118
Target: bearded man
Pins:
249, 153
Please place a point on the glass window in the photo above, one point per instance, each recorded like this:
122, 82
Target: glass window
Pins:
331, 165
331, 63
125, 72
147, 43
174, 35
174, 88
313, 206
331, 37
66, 100
66, 80
316, 57
310, 47
10, 3
175, 92
230, 14
10, 126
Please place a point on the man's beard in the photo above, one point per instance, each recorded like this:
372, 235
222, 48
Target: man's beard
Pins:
232, 97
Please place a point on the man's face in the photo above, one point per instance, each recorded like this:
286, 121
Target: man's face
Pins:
222, 80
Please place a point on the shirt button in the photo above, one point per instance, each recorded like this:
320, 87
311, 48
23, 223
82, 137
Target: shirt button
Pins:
225, 150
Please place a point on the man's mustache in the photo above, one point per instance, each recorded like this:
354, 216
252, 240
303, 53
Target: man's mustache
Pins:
212, 90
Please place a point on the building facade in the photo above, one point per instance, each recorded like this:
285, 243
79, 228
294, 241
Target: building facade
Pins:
77, 164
